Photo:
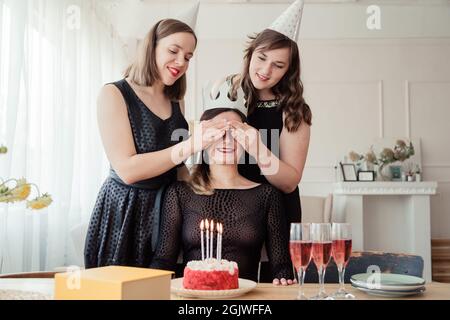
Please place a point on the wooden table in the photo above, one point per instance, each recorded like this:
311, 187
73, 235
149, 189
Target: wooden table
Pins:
434, 290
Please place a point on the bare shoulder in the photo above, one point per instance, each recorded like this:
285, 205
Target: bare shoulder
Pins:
110, 93
110, 99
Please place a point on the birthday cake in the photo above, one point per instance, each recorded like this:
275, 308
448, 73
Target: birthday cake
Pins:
211, 274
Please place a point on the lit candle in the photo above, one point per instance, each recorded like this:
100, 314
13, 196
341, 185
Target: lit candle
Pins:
212, 240
219, 227
221, 239
218, 241
202, 228
207, 238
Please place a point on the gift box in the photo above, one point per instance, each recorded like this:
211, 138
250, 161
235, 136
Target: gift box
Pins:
113, 283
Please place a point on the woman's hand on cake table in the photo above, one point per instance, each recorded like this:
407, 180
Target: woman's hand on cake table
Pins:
284, 282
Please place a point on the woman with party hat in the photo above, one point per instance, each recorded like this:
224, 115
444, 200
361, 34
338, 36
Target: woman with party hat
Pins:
274, 100
277, 134
139, 117
251, 213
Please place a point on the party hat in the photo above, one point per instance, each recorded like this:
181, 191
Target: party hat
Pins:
190, 15
289, 22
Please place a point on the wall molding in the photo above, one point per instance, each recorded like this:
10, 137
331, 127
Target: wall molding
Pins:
407, 109
380, 85
381, 107
407, 100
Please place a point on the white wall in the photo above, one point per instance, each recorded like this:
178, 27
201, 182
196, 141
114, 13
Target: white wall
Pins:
360, 84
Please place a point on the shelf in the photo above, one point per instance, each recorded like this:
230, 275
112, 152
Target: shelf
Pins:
385, 188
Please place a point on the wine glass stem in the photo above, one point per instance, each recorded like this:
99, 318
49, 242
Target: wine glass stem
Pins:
341, 270
301, 281
322, 280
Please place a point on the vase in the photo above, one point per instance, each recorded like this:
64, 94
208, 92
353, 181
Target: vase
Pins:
383, 173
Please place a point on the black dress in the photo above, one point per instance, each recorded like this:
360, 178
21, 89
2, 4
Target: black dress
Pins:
250, 217
120, 229
268, 116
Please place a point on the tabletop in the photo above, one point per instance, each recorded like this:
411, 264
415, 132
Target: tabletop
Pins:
41, 289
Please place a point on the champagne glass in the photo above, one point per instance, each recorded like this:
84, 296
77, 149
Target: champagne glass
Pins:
300, 248
321, 254
342, 249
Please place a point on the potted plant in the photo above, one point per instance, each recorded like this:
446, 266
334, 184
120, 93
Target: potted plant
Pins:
418, 174
387, 156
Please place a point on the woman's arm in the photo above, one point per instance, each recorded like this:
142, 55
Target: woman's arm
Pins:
169, 242
294, 148
115, 130
183, 173
277, 241
285, 172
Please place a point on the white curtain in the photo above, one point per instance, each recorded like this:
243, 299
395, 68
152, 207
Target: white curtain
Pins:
54, 57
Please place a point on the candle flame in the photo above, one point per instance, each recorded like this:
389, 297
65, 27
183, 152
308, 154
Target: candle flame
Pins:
202, 225
221, 228
207, 224
212, 225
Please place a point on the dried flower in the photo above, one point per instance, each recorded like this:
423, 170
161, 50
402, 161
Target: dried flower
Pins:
21, 191
387, 155
40, 202
354, 156
371, 157
401, 144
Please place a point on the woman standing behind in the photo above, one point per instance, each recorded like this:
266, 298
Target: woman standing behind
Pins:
277, 134
274, 97
138, 116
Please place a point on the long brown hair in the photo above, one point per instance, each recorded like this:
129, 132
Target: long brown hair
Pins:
289, 90
144, 71
200, 181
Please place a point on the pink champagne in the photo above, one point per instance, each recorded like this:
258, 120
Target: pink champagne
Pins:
300, 253
321, 253
342, 249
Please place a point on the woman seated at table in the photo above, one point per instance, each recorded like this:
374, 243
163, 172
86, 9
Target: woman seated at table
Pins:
252, 214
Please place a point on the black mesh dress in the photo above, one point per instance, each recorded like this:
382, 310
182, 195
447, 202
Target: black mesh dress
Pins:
250, 217
120, 229
268, 116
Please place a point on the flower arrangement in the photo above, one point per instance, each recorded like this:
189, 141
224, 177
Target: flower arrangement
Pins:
401, 152
17, 190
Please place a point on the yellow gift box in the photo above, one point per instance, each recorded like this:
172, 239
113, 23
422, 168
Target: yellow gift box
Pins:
113, 283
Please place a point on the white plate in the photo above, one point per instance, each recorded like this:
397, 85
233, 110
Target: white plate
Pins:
390, 294
388, 281
244, 287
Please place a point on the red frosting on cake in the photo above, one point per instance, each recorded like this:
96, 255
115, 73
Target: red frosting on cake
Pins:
210, 280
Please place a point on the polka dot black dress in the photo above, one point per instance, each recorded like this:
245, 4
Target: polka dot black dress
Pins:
120, 229
250, 218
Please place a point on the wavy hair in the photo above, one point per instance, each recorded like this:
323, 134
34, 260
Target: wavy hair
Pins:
289, 90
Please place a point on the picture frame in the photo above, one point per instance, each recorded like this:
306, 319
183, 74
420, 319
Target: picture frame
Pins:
349, 172
366, 176
396, 173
